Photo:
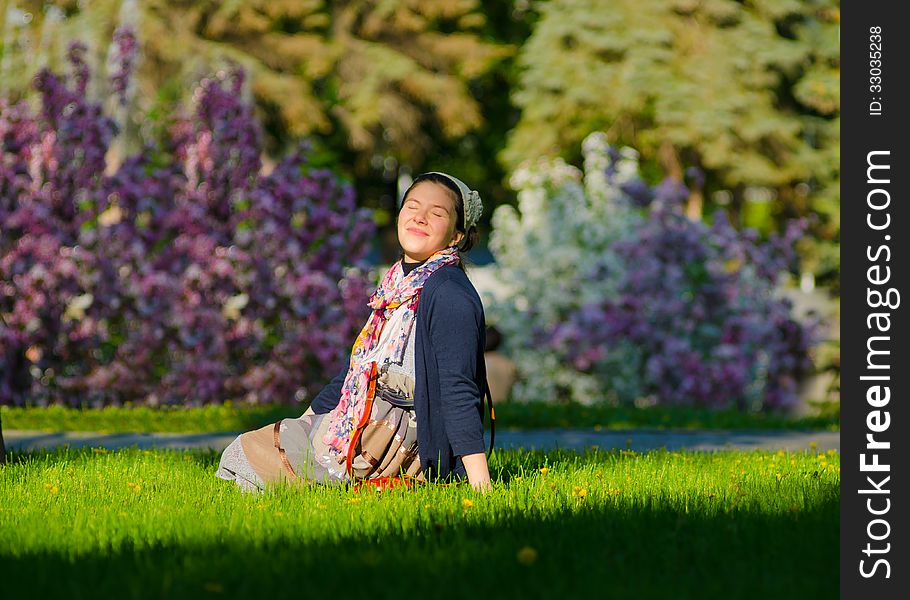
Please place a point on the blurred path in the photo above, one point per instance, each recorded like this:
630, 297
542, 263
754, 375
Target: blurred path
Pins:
679, 439
543, 439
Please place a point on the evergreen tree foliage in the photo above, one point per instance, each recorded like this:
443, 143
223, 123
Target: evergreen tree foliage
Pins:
745, 92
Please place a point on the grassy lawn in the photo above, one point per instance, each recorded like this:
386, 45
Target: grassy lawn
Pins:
229, 417
138, 523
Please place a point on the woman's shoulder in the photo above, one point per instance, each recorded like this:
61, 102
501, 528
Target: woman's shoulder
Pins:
454, 284
448, 276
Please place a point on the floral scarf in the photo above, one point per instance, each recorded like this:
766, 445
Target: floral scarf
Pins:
394, 291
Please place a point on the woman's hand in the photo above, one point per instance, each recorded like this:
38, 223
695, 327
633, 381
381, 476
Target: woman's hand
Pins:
478, 472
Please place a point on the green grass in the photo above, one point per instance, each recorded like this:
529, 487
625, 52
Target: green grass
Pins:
537, 415
139, 523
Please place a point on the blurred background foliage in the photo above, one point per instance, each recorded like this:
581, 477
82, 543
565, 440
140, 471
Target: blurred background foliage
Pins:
383, 86
747, 93
737, 100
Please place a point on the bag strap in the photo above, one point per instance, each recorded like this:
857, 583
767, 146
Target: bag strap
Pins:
489, 398
355, 436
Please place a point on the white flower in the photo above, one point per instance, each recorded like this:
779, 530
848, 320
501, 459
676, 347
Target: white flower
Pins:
546, 252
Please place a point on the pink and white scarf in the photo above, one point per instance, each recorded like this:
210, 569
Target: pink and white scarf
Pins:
394, 290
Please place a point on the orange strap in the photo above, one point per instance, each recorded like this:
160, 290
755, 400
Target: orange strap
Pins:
368, 409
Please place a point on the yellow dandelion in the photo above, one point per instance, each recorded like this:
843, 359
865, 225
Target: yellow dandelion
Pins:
822, 457
354, 501
527, 555
832, 452
579, 492
53, 488
467, 503
544, 470
813, 445
134, 486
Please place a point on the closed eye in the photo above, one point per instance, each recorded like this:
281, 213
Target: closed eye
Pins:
438, 212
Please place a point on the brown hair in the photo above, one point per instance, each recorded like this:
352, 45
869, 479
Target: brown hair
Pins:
470, 237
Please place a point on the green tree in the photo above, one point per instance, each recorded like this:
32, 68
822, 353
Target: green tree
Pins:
387, 75
747, 92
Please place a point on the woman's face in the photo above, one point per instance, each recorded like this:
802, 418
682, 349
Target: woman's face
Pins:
426, 222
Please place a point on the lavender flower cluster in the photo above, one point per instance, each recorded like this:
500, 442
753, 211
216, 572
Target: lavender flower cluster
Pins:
698, 307
185, 276
122, 59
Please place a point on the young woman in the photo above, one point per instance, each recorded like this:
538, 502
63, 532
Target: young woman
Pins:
409, 399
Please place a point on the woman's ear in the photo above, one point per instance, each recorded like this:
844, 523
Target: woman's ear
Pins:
456, 239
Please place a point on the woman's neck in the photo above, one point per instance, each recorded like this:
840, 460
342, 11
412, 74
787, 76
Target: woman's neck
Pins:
408, 266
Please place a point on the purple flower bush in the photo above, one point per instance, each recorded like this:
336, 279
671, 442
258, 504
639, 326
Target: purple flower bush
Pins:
185, 275
698, 306
689, 313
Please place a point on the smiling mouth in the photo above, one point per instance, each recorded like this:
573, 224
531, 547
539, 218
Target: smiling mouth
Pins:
418, 232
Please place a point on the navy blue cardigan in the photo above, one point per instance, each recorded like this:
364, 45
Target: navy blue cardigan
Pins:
449, 374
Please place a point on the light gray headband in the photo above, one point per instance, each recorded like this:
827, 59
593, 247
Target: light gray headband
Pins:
473, 206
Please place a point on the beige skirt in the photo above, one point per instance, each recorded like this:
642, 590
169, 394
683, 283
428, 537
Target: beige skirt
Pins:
293, 450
